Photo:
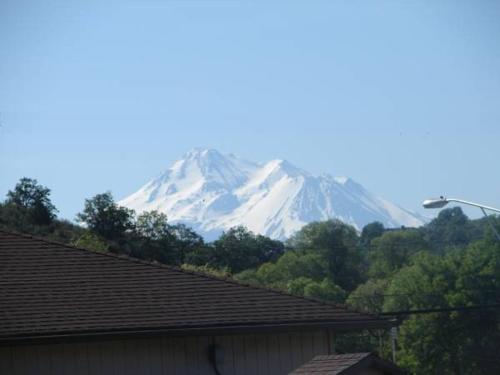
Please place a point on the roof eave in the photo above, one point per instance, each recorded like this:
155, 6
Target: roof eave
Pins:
338, 326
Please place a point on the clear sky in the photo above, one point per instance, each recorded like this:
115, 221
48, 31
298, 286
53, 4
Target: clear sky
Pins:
402, 96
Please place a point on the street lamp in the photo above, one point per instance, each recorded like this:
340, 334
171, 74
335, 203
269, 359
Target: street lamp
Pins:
442, 201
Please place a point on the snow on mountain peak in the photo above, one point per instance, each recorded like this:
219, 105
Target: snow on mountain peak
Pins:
213, 192
342, 180
210, 166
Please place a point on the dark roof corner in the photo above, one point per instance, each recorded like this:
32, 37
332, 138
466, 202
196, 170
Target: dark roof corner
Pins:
348, 364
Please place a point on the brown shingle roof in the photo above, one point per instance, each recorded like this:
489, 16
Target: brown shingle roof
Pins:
51, 290
347, 364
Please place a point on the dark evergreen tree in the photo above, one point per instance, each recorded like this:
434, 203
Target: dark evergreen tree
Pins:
370, 232
450, 229
32, 202
152, 238
105, 218
239, 249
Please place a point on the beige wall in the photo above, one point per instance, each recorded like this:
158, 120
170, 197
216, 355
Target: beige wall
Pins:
244, 354
371, 372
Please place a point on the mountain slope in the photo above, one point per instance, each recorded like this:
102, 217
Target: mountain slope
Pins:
213, 192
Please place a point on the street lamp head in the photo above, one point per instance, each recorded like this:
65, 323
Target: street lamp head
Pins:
435, 203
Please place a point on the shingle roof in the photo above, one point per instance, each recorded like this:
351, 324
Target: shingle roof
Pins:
346, 364
50, 290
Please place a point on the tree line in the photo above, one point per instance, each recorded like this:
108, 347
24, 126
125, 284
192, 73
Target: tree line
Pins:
451, 262
105, 226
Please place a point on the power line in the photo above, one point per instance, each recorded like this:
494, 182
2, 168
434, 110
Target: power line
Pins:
403, 244
373, 296
446, 309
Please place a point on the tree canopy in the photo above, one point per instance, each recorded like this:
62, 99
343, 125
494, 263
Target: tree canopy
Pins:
338, 245
32, 202
455, 342
105, 218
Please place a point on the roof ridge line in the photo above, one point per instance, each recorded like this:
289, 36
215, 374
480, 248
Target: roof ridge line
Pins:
194, 273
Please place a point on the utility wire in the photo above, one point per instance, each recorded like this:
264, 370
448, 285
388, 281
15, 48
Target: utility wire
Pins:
373, 296
446, 309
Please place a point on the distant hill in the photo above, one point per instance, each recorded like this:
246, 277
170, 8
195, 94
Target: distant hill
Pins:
212, 192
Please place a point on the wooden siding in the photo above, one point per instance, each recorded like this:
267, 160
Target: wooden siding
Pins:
248, 354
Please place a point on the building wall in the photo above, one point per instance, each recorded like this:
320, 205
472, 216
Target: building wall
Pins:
243, 355
371, 372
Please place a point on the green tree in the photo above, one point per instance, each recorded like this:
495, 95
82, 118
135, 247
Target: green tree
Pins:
91, 241
451, 228
239, 249
152, 225
290, 268
338, 245
325, 290
190, 246
370, 232
483, 228
28, 209
105, 218
222, 274
457, 342
296, 272
394, 250
33, 201
369, 297
153, 239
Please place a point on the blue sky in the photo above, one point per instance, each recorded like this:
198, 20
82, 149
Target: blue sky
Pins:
404, 97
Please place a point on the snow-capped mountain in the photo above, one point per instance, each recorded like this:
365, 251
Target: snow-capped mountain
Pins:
213, 192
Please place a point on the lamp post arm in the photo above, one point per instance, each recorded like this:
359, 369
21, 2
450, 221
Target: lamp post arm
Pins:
442, 201
473, 204
492, 225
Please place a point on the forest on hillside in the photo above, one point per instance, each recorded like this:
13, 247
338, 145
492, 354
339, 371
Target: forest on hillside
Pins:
442, 279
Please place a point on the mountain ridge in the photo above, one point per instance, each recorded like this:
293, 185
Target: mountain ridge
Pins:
213, 192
